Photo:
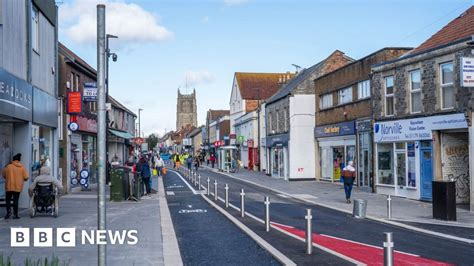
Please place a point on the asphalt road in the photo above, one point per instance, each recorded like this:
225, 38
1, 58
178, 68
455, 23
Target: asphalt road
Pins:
343, 233
205, 236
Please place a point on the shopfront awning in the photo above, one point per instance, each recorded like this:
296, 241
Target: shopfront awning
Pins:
120, 134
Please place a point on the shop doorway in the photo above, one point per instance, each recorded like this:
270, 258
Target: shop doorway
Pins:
6, 146
426, 170
338, 162
364, 170
278, 163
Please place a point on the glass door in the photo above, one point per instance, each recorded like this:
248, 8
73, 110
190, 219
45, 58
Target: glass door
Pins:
338, 162
400, 168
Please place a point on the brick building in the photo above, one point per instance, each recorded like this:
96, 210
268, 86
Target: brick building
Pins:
344, 117
423, 116
289, 116
210, 132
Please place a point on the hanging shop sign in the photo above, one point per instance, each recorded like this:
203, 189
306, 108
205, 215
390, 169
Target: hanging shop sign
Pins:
467, 72
90, 92
74, 102
73, 126
87, 124
416, 128
339, 129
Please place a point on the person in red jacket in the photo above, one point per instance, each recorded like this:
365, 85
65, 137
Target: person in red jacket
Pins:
213, 160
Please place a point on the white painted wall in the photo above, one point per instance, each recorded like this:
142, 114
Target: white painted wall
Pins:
236, 105
262, 141
301, 144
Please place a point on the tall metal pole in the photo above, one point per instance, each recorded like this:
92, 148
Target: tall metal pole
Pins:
101, 127
139, 125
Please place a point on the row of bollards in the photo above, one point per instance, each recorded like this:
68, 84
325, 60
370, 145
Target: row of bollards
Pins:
195, 178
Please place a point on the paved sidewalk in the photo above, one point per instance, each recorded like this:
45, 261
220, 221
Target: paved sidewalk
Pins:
332, 195
79, 210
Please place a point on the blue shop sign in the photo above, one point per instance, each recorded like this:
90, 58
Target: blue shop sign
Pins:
281, 139
340, 129
16, 96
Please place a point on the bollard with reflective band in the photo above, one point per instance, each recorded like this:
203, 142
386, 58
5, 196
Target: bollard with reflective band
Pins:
242, 203
267, 214
388, 250
226, 195
309, 232
199, 182
215, 190
208, 186
389, 207
195, 179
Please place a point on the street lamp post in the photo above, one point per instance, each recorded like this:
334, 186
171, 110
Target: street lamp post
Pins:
114, 57
139, 125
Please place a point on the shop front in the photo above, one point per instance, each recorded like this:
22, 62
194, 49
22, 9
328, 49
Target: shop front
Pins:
408, 152
28, 122
83, 149
277, 146
119, 147
337, 146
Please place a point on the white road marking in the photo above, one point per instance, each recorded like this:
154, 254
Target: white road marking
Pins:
187, 184
170, 193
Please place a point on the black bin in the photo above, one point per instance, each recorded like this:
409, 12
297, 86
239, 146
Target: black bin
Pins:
444, 200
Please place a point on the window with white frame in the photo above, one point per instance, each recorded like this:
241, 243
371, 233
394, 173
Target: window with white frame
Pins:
35, 29
389, 96
344, 95
415, 91
447, 88
363, 89
71, 85
325, 101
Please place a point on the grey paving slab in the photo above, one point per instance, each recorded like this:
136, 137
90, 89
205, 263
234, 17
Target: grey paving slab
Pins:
79, 210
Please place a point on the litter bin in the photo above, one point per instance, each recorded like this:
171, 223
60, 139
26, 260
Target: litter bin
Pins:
119, 188
137, 186
444, 200
360, 207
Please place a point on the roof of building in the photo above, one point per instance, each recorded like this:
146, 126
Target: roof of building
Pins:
73, 56
300, 77
459, 28
260, 86
195, 132
215, 114
117, 104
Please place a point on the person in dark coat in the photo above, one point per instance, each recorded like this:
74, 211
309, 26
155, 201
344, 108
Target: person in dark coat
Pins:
145, 173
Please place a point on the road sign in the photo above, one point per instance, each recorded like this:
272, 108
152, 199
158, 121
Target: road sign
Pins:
138, 141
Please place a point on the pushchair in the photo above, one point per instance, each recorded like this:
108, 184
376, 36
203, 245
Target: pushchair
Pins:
44, 200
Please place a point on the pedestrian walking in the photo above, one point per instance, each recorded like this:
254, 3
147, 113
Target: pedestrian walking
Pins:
348, 173
145, 174
213, 160
159, 164
189, 162
15, 175
197, 162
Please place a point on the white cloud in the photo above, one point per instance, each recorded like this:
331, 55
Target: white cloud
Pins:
193, 78
234, 2
129, 21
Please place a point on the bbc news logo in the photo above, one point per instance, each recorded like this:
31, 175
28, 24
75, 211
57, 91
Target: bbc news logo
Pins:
66, 237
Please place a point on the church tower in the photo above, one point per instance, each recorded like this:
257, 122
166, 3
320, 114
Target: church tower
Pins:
186, 110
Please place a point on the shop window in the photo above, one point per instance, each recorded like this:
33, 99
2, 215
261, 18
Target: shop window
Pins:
385, 164
447, 88
363, 89
344, 95
42, 148
415, 91
389, 97
411, 165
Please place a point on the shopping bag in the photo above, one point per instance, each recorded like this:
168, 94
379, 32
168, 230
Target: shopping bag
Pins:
155, 172
163, 171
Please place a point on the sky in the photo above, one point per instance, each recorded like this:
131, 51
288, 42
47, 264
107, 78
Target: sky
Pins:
187, 44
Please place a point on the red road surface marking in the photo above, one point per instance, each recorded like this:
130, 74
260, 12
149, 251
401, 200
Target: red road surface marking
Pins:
360, 252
